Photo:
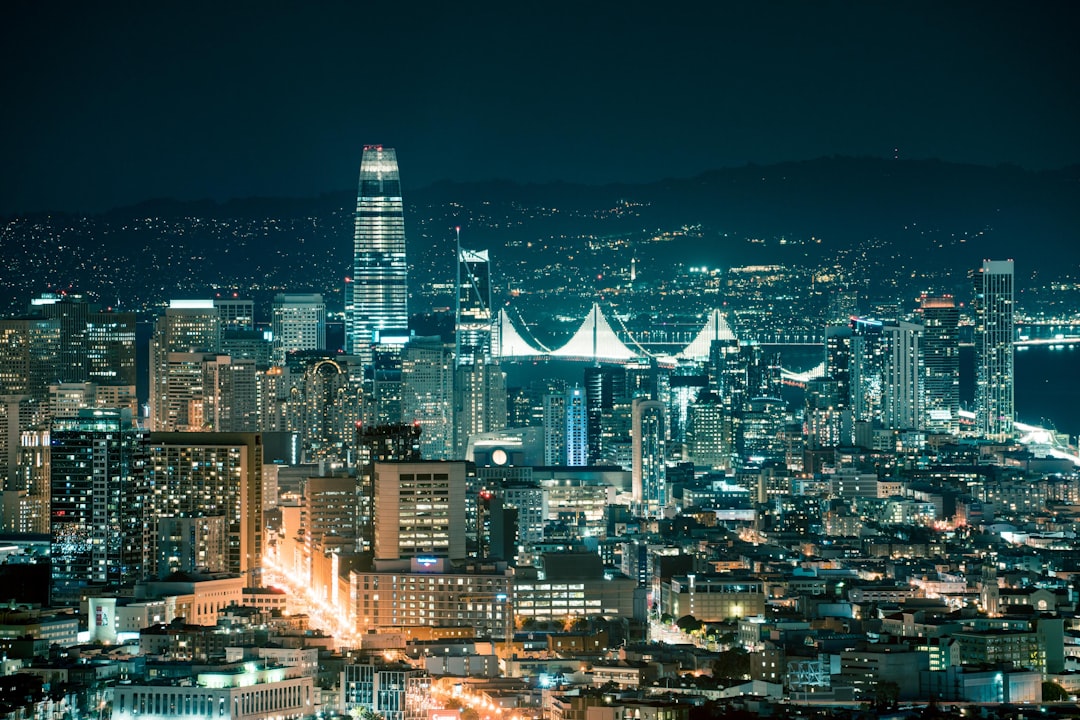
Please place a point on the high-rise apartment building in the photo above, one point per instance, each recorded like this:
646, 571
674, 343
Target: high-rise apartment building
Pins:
97, 502
941, 363
555, 429
298, 322
213, 475
577, 435
419, 510
994, 335
903, 397
377, 296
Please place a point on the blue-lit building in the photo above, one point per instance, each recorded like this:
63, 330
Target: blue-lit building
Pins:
376, 301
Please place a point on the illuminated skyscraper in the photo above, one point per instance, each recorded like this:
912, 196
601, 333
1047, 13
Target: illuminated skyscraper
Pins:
189, 327
902, 405
994, 401
473, 306
479, 382
941, 363
377, 298
427, 395
649, 474
208, 475
576, 436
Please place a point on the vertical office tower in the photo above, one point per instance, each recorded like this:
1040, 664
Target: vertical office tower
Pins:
473, 306
649, 473
188, 326
730, 364
994, 401
324, 405
212, 475
236, 314
379, 292
903, 398
185, 384
576, 428
941, 363
868, 353
555, 429
709, 445
604, 384
236, 395
392, 442
29, 490
427, 395
97, 493
332, 505
384, 387
29, 356
18, 414
479, 402
72, 313
95, 345
821, 418
298, 322
419, 510
843, 350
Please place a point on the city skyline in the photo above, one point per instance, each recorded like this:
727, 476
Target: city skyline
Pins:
114, 102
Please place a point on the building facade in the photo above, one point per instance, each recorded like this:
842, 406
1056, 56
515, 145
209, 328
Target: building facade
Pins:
377, 296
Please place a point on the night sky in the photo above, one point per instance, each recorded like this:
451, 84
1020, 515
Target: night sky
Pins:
109, 104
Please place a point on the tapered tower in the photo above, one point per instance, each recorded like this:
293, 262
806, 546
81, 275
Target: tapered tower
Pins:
377, 298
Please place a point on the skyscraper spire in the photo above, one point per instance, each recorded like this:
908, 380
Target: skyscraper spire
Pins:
377, 308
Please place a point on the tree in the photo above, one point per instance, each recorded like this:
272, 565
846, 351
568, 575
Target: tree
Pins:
886, 693
734, 664
1052, 692
689, 623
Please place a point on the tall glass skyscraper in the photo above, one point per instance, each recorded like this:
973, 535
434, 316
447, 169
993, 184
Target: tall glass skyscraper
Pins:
994, 330
377, 298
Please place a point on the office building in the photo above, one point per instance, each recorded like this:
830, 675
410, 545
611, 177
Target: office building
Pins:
324, 403
474, 318
97, 501
239, 691
994, 331
189, 327
419, 510
236, 313
649, 473
391, 692
427, 395
479, 402
298, 322
377, 296
29, 356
